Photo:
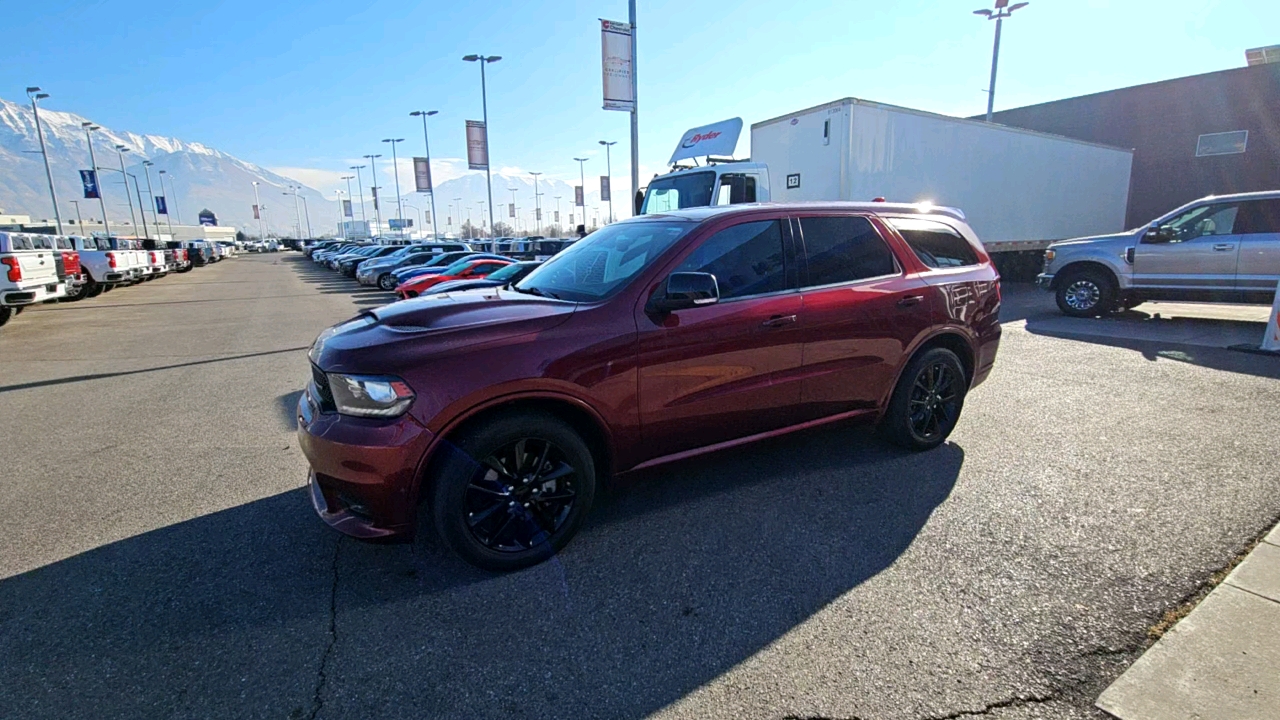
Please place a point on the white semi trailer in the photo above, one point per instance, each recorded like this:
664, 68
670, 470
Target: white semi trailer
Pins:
1020, 190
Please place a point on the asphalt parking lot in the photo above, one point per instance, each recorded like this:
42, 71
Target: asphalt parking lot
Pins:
160, 557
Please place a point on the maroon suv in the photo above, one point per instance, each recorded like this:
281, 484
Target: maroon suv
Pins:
492, 415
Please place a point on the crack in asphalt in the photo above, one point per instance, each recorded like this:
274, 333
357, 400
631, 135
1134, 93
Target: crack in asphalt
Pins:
1017, 701
322, 679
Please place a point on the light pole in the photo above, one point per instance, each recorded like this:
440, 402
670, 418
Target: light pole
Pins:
137, 186
582, 178
377, 213
93, 163
1002, 10
296, 211
35, 94
435, 221
79, 220
306, 210
155, 212
121, 150
395, 165
484, 102
608, 169
360, 187
342, 211
262, 235
537, 204
170, 199
459, 202
417, 210
342, 227
557, 222
512, 213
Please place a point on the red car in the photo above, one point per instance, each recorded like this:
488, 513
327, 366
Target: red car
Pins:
491, 418
461, 270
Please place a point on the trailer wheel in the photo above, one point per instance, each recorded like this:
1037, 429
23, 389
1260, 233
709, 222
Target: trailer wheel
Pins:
1088, 292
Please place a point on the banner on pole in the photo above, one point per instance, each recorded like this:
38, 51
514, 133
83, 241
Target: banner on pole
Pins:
511, 209
346, 208
557, 216
400, 224
422, 174
615, 44
256, 214
89, 178
374, 189
577, 196
537, 214
477, 145
605, 195
161, 207
428, 214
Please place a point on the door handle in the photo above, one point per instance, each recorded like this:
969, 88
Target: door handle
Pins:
1222, 247
910, 300
778, 321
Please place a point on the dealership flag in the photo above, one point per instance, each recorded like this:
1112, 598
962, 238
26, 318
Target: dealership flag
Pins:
615, 41
422, 174
477, 145
577, 196
537, 214
346, 208
256, 216
374, 189
604, 189
90, 180
557, 216
511, 209
161, 207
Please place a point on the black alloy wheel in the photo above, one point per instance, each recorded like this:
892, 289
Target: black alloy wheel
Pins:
510, 491
926, 404
520, 495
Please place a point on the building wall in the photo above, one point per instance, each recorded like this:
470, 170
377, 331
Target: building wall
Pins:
1162, 122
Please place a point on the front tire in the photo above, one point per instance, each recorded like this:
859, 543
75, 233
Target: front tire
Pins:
1086, 293
6, 312
927, 401
511, 492
387, 281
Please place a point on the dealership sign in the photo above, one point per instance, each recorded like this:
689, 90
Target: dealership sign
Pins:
477, 146
715, 139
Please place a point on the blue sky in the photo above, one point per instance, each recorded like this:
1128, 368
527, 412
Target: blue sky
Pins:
308, 87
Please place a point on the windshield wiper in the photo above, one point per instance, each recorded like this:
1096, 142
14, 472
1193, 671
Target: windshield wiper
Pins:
535, 291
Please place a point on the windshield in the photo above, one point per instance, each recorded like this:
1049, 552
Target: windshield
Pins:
601, 263
457, 267
678, 191
507, 272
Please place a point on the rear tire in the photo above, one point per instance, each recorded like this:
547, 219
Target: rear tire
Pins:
6, 312
510, 492
927, 401
77, 292
1086, 293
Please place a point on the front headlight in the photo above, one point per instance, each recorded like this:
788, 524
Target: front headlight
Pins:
1049, 255
370, 395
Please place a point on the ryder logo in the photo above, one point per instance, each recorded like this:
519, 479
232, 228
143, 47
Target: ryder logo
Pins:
696, 138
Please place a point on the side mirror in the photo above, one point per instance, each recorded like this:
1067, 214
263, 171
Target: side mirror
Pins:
684, 290
1156, 235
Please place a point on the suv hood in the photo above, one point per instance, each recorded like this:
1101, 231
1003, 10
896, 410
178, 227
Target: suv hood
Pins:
404, 332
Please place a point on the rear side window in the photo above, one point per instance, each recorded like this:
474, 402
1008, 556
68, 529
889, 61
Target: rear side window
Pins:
936, 244
42, 243
746, 259
844, 249
1257, 217
20, 243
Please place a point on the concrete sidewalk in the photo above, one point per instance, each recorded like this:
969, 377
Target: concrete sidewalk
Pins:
1222, 661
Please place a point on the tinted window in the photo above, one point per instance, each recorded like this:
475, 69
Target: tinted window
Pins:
937, 245
1204, 221
20, 243
681, 191
42, 243
746, 259
843, 249
486, 268
1258, 216
605, 261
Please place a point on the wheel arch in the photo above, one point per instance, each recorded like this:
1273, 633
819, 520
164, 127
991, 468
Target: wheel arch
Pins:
577, 414
1079, 266
949, 338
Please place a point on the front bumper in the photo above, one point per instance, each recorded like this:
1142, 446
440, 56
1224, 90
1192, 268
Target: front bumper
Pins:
363, 472
1044, 281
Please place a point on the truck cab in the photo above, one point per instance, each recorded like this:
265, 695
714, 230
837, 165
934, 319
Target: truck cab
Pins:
718, 183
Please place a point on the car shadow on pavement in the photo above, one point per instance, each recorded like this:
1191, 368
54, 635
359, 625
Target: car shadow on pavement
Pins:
679, 576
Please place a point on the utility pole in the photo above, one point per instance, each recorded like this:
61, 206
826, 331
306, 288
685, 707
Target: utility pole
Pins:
635, 116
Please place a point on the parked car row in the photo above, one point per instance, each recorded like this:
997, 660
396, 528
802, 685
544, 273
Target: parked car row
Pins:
37, 268
490, 419
412, 270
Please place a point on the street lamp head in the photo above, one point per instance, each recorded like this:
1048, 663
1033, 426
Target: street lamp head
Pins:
493, 58
147, 163
468, 58
32, 89
984, 13
357, 167
580, 159
41, 96
1017, 6
121, 148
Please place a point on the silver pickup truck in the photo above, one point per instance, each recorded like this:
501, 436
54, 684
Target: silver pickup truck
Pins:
28, 274
1223, 248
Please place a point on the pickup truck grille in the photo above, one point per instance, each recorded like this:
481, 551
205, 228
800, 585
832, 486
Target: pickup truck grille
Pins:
324, 395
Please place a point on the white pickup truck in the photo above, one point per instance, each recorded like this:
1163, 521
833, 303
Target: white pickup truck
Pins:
27, 275
130, 258
101, 266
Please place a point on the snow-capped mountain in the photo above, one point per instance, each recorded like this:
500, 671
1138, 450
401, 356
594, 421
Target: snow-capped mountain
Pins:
197, 176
